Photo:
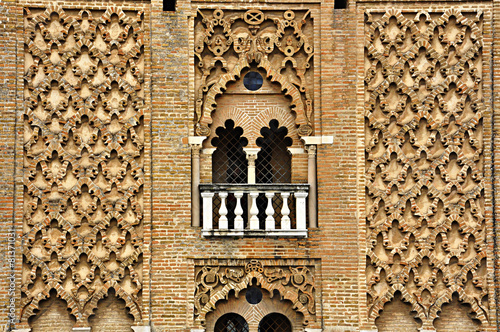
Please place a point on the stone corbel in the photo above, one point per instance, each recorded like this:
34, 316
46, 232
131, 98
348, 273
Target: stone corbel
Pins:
195, 142
311, 143
295, 151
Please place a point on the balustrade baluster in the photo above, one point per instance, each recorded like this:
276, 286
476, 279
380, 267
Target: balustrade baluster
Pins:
285, 211
207, 210
254, 210
270, 224
238, 211
259, 219
300, 206
223, 211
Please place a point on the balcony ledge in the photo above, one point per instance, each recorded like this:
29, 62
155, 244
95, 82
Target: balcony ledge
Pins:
254, 233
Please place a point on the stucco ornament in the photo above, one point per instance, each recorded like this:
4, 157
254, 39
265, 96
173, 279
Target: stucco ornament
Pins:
278, 43
293, 283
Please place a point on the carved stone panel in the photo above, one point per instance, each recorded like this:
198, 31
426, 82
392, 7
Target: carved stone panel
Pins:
214, 280
277, 43
83, 158
426, 233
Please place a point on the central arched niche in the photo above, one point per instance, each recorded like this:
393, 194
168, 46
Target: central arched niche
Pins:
254, 313
277, 44
252, 111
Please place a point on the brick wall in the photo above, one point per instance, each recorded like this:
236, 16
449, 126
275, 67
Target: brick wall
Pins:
111, 315
172, 249
53, 314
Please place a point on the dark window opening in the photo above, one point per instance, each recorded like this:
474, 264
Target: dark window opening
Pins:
229, 165
274, 162
229, 161
253, 295
340, 4
169, 5
273, 165
231, 323
275, 323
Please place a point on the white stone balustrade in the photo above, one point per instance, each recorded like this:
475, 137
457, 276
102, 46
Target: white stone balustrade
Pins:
264, 211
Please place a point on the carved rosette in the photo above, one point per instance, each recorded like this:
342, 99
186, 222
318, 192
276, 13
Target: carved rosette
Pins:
294, 283
426, 232
83, 158
278, 43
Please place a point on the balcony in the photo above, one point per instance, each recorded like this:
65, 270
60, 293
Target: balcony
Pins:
254, 210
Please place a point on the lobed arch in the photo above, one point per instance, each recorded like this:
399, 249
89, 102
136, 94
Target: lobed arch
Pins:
302, 112
252, 125
253, 314
293, 284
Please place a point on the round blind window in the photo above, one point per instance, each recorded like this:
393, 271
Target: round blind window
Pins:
253, 81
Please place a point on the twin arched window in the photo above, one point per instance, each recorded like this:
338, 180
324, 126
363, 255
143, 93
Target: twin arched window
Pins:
273, 322
229, 163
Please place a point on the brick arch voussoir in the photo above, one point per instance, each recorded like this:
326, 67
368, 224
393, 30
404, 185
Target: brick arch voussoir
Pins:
463, 298
284, 118
406, 297
120, 293
240, 119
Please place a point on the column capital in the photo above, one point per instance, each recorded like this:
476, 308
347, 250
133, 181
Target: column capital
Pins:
251, 152
196, 141
311, 149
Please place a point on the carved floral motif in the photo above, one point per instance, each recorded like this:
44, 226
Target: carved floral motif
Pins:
426, 232
279, 43
83, 158
294, 283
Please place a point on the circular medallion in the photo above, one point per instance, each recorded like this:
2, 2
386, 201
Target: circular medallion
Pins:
254, 17
289, 15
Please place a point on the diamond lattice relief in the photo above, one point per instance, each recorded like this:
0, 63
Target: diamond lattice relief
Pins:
424, 162
83, 158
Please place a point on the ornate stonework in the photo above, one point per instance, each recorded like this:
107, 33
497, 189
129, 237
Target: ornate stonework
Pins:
426, 232
83, 158
229, 42
295, 283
